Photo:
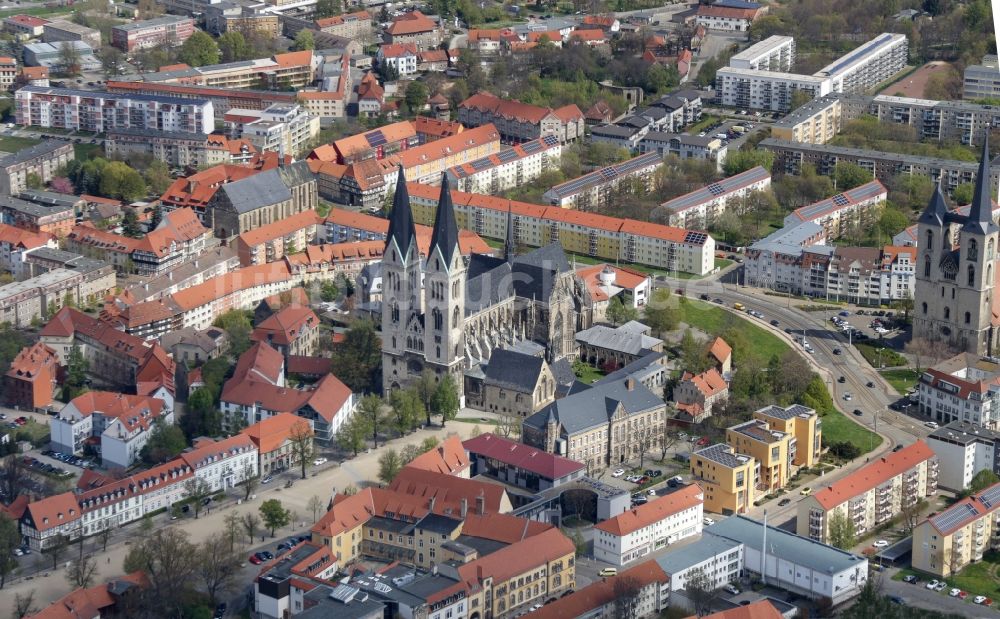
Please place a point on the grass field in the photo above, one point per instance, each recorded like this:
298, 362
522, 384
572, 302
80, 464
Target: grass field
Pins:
976, 578
887, 358
10, 144
714, 320
839, 428
707, 120
590, 375
902, 380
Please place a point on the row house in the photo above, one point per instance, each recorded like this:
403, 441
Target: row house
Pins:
592, 191
521, 122
164, 31
153, 254
54, 219
853, 209
222, 98
356, 25
512, 167
288, 71
27, 302
275, 438
872, 495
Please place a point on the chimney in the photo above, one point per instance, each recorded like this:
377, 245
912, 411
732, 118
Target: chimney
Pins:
630, 383
465, 507
430, 503
481, 505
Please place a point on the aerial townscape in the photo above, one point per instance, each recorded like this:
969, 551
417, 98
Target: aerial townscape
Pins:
443, 309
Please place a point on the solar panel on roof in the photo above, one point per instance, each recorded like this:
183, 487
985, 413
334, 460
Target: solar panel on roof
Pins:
550, 140
533, 146
507, 155
841, 200
480, 164
376, 138
954, 516
716, 189
696, 238
990, 496
608, 174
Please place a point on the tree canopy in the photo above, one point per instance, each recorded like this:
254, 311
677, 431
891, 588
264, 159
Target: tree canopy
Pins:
199, 50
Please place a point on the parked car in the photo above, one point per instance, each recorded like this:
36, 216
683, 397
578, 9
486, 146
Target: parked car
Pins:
731, 588
857, 412
267, 479
881, 543
979, 599
941, 586
842, 380
806, 491
618, 473
319, 461
930, 424
608, 571
954, 592
934, 583
784, 501
895, 599
255, 558
707, 521
911, 578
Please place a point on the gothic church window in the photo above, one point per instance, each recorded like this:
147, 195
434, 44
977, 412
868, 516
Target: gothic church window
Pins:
927, 265
930, 239
973, 249
972, 275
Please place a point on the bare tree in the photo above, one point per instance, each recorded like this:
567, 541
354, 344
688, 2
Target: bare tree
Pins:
217, 566
81, 571
250, 480
24, 605
57, 548
668, 438
925, 352
251, 522
644, 442
700, 591
233, 528
315, 505
626, 591
13, 477
508, 425
197, 490
169, 561
301, 438
104, 535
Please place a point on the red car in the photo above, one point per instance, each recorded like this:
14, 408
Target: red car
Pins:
255, 559
963, 594
988, 602
704, 441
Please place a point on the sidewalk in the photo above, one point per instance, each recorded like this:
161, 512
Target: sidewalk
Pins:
50, 585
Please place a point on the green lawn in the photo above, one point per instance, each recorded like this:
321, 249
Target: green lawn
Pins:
590, 374
714, 320
902, 380
706, 120
10, 144
976, 578
87, 151
839, 428
887, 358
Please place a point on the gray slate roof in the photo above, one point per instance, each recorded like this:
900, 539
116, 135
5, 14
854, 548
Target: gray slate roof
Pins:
257, 191
535, 272
680, 559
513, 370
594, 406
31, 152
623, 339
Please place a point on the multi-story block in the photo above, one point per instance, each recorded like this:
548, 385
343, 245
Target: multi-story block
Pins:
519, 465
602, 426
356, 25
873, 494
733, 15
8, 72
16, 243
223, 464
56, 220
511, 167
31, 379
852, 209
802, 424
684, 146
775, 53
590, 234
26, 302
275, 439
599, 599
24, 26
728, 479
773, 450
868, 65
963, 388
766, 90
701, 207
643, 529
222, 98
413, 27
179, 150
815, 122
952, 539
981, 81
275, 240
63, 108
290, 331
165, 31
593, 190
288, 71
960, 121
402, 57
280, 589
60, 30
964, 449
520, 122
285, 129
41, 159
695, 395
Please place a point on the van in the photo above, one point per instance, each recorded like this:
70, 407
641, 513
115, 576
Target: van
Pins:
722, 136
608, 571
738, 130
738, 306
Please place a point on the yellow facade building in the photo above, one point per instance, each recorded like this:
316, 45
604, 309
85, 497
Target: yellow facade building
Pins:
944, 544
803, 424
773, 450
728, 479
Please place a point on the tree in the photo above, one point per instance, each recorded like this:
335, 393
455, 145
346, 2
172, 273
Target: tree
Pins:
389, 464
250, 524
315, 505
104, 535
743, 160
33, 181
197, 490
199, 50
406, 408
24, 605
304, 40
122, 182
130, 224
328, 8
426, 385
700, 591
409, 453
416, 96
626, 595
850, 175
81, 571
507, 425
217, 566
840, 531
445, 400
169, 561
56, 549
69, 58
10, 538
351, 436
370, 409
77, 366
667, 440
233, 46
274, 515
157, 175
237, 326
301, 437
328, 291
618, 313
61, 184
357, 361
165, 441
201, 418
962, 194
983, 480
892, 221
476, 431
111, 60
250, 481
662, 314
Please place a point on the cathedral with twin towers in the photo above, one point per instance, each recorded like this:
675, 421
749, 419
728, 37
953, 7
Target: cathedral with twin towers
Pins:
447, 312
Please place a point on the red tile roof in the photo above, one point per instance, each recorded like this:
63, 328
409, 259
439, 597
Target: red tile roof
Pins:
449, 457
599, 593
709, 382
133, 411
96, 601
449, 490
515, 110
183, 225
707, 10
447, 147
308, 366
227, 447
326, 397
28, 20
626, 278
413, 22
240, 279
260, 362
23, 239
517, 558
53, 511
761, 609
873, 474
271, 433
516, 454
286, 325
653, 511
341, 19
32, 360
398, 50
720, 350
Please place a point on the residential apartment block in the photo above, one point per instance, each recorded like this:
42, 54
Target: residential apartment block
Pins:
27, 302
272, 242
648, 527
287, 71
728, 479
24, 26
416, 28
773, 450
356, 25
608, 238
800, 422
684, 146
873, 494
948, 541
56, 219
963, 449
512, 167
869, 65
701, 207
292, 330
63, 108
593, 190
520, 122
775, 53
599, 599
165, 31
179, 150
275, 439
766, 90
856, 208
40, 159
284, 129
222, 98
60, 30
731, 15
815, 122
962, 388
16, 244
401, 57
959, 121
31, 379
982, 81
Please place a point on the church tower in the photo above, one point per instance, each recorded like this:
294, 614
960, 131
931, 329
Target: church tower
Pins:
401, 281
444, 293
953, 295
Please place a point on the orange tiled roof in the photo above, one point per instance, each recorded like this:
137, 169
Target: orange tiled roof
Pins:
341, 19
592, 34
53, 511
709, 382
413, 22
271, 433
260, 362
432, 55
449, 457
447, 147
653, 511
91, 602
35, 73
359, 221
394, 132
449, 490
398, 50
294, 59
707, 10
285, 326
325, 398
720, 350
240, 279
599, 593
761, 609
211, 449
517, 558
280, 228
873, 474
24, 239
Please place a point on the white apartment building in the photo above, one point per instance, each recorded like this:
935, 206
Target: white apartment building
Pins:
590, 190
684, 146
643, 529
775, 53
982, 81
63, 108
701, 207
400, 56
281, 128
962, 121
511, 167
838, 214
718, 558
869, 65
756, 89
963, 449
963, 388
223, 464
873, 494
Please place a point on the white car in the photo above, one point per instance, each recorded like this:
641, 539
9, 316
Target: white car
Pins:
941, 586
707, 521
618, 473
880, 543
319, 461
954, 593
930, 424
733, 589
651, 492
979, 599
931, 585
847, 397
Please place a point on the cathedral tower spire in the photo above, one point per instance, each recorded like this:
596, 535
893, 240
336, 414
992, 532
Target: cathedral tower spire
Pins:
402, 230
445, 235
980, 218
508, 244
